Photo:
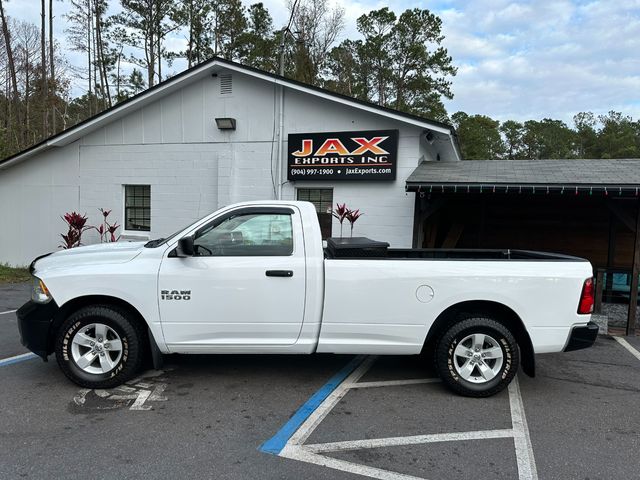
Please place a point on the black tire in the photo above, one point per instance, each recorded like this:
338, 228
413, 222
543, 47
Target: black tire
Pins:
478, 387
130, 334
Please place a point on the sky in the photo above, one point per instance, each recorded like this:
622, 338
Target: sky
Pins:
516, 60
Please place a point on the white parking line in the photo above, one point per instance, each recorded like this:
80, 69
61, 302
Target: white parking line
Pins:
325, 407
628, 346
524, 451
297, 452
296, 449
10, 311
412, 440
393, 383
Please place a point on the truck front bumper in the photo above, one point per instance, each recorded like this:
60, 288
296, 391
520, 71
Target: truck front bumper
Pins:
582, 337
34, 325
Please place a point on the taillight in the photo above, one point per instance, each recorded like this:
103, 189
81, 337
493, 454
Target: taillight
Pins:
587, 297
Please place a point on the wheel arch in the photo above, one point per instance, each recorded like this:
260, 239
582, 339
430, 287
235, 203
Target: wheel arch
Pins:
499, 312
77, 303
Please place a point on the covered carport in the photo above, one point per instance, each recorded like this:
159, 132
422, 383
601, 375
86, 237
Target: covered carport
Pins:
587, 208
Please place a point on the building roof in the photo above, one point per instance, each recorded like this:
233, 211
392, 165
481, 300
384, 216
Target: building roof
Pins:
616, 176
208, 67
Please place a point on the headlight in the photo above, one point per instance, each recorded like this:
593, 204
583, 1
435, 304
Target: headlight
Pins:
40, 292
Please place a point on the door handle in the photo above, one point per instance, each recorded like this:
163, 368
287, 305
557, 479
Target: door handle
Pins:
279, 273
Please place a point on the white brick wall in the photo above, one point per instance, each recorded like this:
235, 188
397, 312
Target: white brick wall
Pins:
193, 168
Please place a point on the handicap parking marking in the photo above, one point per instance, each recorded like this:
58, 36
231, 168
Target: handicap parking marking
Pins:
295, 447
17, 359
133, 395
9, 311
276, 443
627, 346
314, 419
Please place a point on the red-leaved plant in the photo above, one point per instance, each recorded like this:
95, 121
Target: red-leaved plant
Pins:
340, 213
107, 231
77, 226
352, 216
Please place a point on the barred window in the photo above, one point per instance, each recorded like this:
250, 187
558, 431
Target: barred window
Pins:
322, 199
137, 208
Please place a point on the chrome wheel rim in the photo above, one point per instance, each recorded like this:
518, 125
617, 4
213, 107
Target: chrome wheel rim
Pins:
478, 358
96, 348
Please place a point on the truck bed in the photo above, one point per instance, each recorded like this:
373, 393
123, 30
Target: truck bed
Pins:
471, 254
364, 248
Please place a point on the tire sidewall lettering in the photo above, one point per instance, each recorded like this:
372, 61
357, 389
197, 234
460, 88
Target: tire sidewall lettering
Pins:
506, 349
450, 360
66, 340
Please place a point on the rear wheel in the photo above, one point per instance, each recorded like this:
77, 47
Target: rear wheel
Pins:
477, 357
99, 347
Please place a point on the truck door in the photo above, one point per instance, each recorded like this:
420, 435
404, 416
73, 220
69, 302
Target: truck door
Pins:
245, 284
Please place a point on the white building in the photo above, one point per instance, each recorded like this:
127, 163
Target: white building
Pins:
185, 164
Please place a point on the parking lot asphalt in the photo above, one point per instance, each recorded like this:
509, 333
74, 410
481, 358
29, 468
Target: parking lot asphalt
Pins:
209, 416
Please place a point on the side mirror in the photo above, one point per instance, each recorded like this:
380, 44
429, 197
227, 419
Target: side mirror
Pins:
185, 247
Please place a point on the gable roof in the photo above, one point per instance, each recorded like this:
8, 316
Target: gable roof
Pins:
202, 69
611, 175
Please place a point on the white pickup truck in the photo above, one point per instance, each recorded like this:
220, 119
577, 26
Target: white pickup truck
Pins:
255, 278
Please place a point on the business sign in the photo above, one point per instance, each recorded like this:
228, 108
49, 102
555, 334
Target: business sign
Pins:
368, 155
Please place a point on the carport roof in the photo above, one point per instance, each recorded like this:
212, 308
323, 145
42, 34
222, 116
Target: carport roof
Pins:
619, 176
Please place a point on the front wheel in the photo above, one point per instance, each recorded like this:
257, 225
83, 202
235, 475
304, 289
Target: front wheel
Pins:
99, 347
477, 357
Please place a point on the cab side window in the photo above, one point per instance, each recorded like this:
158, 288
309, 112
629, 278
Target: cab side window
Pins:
252, 234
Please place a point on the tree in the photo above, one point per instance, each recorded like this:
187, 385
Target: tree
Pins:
316, 25
43, 64
214, 27
400, 63
79, 33
13, 76
419, 73
512, 132
147, 22
548, 139
619, 136
103, 62
229, 27
27, 54
479, 136
586, 136
257, 45
52, 71
344, 71
196, 16
375, 52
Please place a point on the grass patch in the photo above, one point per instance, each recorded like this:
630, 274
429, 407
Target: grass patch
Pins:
13, 275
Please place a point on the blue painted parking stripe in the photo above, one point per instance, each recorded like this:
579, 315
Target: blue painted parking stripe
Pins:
17, 359
276, 443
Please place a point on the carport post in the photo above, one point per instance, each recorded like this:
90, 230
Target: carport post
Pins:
635, 270
597, 307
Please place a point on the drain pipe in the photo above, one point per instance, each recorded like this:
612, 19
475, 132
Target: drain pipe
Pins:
281, 119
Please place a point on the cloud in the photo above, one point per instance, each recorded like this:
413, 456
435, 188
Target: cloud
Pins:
544, 58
